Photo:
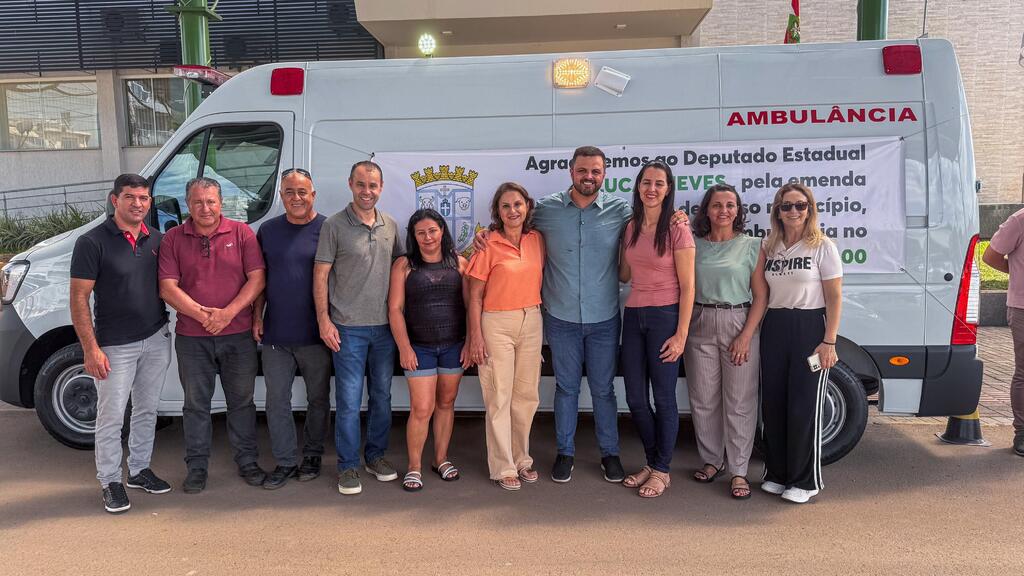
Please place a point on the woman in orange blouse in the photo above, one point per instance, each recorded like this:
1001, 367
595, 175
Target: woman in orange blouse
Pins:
506, 332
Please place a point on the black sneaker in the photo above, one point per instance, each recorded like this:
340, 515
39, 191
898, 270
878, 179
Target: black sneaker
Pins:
561, 472
115, 499
309, 469
252, 474
148, 481
279, 477
195, 481
1018, 445
612, 467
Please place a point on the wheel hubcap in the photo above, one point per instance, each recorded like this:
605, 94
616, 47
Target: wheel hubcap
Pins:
74, 399
833, 414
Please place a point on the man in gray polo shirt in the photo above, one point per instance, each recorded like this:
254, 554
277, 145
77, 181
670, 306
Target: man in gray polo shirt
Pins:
350, 288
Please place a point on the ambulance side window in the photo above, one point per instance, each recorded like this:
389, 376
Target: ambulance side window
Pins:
242, 158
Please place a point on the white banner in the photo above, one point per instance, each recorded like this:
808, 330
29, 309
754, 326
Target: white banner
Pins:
858, 184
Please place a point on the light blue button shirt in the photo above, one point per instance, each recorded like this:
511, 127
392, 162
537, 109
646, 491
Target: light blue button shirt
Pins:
581, 274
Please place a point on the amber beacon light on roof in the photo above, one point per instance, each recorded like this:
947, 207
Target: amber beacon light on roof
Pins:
571, 73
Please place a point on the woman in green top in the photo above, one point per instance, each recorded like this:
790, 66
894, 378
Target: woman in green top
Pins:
721, 357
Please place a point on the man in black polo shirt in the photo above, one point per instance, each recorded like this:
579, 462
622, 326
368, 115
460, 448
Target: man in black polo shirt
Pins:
129, 349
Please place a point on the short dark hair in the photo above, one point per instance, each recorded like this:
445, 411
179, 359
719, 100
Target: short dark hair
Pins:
369, 165
128, 181
496, 223
202, 182
586, 151
702, 222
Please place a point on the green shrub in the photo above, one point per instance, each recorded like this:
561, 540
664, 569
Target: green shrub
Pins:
991, 279
17, 235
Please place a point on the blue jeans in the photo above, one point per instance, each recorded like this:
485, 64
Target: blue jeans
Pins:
363, 348
644, 331
572, 345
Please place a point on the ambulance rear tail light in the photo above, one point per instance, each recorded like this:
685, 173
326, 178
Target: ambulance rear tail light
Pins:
965, 319
902, 59
287, 81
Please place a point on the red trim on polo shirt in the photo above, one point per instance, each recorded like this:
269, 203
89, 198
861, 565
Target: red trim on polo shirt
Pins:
143, 231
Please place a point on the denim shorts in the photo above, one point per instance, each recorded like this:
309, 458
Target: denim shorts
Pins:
433, 360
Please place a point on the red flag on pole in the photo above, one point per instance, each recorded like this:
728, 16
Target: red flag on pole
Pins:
793, 28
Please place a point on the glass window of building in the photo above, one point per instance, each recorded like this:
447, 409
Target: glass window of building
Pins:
155, 108
58, 115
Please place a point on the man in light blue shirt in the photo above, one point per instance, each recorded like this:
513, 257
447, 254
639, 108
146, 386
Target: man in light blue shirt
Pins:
581, 228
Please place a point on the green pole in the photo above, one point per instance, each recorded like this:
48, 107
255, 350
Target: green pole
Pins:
193, 18
872, 19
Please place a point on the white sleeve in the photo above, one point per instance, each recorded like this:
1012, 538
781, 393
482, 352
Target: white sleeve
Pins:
830, 266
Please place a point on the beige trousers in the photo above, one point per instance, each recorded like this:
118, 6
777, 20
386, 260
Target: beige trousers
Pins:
723, 397
509, 382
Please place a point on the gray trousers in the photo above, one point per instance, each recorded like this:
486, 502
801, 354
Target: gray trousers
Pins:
200, 360
723, 397
279, 368
1015, 318
137, 370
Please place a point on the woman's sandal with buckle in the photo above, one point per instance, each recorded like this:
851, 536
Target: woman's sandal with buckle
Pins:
703, 477
655, 485
637, 479
413, 481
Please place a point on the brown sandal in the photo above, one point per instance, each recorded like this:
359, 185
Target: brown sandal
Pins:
740, 491
637, 479
656, 484
704, 477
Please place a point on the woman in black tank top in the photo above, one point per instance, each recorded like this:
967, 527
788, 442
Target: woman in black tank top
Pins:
427, 313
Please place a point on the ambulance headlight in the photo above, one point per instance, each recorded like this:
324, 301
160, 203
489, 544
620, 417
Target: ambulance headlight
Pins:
11, 277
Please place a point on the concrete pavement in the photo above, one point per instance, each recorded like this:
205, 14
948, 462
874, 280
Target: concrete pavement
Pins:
900, 503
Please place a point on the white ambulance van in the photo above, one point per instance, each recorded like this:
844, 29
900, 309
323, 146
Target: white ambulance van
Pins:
910, 296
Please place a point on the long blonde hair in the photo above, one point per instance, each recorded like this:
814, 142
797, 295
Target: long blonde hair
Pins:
812, 236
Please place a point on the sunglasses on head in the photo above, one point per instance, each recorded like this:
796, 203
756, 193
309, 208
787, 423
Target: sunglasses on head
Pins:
298, 170
787, 206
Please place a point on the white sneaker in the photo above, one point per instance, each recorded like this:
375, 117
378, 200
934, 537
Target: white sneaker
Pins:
798, 495
772, 487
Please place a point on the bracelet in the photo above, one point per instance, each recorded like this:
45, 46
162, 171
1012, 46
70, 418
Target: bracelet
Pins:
829, 343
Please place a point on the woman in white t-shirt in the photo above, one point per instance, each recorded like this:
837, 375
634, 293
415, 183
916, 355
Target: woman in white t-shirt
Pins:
798, 342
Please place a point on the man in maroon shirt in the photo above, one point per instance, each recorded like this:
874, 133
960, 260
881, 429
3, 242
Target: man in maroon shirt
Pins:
211, 270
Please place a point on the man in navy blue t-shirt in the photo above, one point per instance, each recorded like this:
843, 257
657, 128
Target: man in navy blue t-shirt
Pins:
285, 322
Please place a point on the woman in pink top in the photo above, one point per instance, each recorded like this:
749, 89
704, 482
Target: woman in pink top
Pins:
657, 259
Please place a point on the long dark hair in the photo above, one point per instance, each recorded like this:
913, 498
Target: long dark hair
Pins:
665, 219
702, 222
449, 258
496, 223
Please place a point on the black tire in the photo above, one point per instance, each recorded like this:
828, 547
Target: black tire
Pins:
844, 418
65, 398
845, 414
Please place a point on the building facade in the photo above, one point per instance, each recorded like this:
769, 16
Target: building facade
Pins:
86, 91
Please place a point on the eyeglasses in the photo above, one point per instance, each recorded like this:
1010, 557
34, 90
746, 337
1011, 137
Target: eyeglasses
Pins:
787, 206
204, 246
298, 170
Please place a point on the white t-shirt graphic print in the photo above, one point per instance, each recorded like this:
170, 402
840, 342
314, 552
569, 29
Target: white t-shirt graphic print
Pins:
794, 274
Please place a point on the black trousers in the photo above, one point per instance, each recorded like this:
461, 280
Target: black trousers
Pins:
792, 397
